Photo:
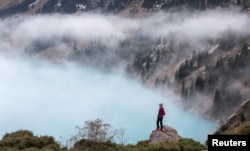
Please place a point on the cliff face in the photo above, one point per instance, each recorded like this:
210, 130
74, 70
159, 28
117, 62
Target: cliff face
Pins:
240, 117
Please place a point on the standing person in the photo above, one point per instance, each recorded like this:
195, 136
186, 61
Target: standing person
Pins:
161, 113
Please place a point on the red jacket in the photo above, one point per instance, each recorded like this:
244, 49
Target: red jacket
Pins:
161, 112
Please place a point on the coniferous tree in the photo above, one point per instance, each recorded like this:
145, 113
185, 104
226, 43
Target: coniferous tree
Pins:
216, 103
199, 84
183, 90
49, 6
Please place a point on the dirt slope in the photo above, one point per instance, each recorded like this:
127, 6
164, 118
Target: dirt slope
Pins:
8, 3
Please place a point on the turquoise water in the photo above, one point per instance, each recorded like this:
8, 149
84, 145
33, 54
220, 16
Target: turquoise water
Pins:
52, 99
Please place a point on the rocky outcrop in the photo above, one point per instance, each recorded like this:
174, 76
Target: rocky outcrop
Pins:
167, 134
240, 116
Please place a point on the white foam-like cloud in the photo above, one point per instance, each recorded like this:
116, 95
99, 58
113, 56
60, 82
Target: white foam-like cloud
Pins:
198, 25
82, 27
20, 30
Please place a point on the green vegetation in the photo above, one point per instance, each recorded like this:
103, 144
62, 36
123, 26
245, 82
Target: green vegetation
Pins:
95, 135
182, 144
190, 145
242, 129
26, 141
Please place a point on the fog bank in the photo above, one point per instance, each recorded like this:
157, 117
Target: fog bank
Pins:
51, 99
19, 31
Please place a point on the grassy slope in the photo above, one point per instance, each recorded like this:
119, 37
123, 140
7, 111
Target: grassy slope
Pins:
242, 129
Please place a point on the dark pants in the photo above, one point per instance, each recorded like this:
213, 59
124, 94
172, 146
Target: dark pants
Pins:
159, 121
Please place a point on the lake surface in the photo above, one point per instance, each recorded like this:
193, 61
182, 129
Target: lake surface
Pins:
51, 99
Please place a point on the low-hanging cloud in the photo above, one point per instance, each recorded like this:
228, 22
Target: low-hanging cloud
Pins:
198, 25
80, 27
19, 31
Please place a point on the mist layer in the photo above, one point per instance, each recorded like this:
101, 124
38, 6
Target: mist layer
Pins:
51, 99
18, 32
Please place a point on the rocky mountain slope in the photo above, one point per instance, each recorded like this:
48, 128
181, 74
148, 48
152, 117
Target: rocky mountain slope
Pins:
237, 123
218, 73
8, 3
127, 7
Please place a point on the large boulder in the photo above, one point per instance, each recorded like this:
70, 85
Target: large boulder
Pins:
167, 134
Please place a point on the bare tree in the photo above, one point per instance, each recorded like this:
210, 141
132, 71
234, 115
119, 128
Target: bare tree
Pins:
96, 130
120, 134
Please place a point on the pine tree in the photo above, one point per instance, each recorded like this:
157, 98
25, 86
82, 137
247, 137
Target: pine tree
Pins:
183, 90
199, 84
216, 103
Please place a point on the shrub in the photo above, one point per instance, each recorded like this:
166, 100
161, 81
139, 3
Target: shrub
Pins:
245, 130
25, 140
187, 144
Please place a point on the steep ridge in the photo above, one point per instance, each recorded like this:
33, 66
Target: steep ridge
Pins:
237, 121
214, 74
